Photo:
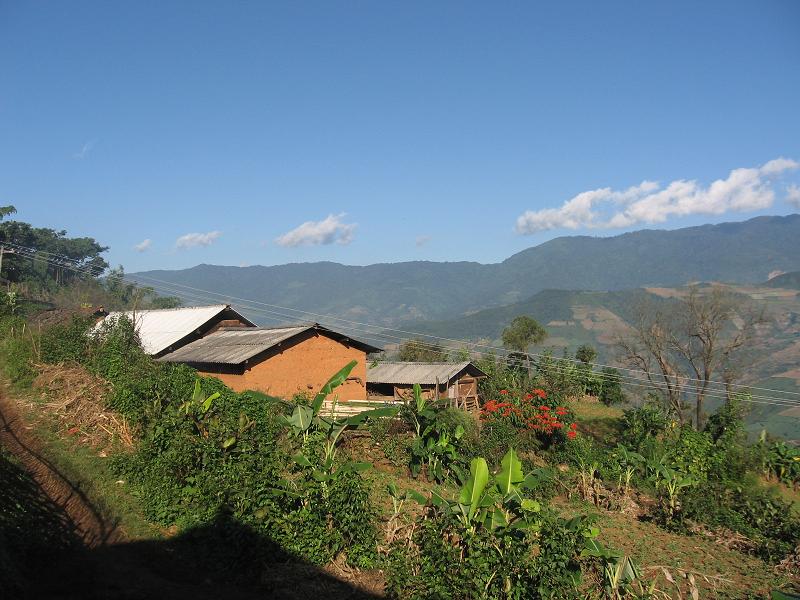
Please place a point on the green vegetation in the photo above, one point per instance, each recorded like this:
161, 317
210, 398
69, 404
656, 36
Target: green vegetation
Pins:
421, 351
208, 459
535, 497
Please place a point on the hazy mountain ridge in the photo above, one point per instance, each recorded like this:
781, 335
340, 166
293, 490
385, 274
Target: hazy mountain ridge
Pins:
388, 293
788, 281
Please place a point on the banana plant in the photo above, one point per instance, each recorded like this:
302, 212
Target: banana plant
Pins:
783, 462
627, 463
198, 409
307, 420
674, 483
619, 571
433, 446
493, 502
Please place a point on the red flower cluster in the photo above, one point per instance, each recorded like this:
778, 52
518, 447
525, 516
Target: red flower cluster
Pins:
503, 409
525, 414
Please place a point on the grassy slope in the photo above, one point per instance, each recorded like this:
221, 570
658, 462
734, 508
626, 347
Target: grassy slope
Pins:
89, 470
645, 542
739, 575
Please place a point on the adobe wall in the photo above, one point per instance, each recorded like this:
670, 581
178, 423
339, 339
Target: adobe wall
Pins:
304, 367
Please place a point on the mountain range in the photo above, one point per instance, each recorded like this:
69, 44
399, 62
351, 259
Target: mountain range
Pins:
389, 293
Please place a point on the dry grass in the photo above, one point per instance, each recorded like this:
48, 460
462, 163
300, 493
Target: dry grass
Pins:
77, 399
719, 572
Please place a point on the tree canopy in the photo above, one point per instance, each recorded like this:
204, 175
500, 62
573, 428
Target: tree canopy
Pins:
422, 351
522, 333
61, 255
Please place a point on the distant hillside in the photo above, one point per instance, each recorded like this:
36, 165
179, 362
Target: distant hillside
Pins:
787, 281
597, 318
556, 309
743, 252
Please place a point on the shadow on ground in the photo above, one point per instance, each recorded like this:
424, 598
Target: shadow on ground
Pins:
54, 544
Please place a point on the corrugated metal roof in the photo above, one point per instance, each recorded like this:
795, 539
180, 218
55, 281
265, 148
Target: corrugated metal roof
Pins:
409, 373
233, 346
161, 328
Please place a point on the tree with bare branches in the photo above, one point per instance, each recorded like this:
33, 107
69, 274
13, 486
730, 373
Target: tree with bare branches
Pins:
685, 346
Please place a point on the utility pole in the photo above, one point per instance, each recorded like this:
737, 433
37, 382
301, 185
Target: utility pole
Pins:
3, 252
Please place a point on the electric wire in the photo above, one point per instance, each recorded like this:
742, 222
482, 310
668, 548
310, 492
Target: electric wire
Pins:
198, 294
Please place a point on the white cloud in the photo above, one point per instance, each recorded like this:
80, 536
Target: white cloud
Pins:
192, 240
422, 240
744, 190
143, 245
793, 195
84, 151
316, 233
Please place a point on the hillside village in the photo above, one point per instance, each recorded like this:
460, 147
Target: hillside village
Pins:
329, 454
400, 300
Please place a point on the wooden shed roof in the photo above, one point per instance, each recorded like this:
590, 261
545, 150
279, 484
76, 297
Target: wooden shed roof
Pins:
235, 345
409, 373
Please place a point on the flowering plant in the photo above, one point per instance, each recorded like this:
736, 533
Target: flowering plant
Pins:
531, 413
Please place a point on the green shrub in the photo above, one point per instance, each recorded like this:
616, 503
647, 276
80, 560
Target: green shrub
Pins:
449, 419
187, 478
446, 564
325, 519
17, 351
610, 388
69, 342
496, 436
489, 541
638, 424
692, 452
768, 521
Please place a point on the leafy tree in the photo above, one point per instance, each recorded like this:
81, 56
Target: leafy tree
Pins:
62, 258
6, 210
166, 302
421, 351
521, 334
586, 354
611, 387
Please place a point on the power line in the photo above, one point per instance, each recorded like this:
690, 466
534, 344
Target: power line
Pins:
203, 296
175, 288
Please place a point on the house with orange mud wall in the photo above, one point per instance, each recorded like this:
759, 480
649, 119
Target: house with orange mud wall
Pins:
279, 361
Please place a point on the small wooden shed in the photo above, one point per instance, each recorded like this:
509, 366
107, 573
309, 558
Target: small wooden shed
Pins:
453, 383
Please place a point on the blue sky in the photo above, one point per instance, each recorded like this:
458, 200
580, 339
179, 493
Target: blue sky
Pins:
395, 131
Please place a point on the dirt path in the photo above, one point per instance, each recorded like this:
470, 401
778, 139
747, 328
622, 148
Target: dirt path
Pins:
18, 438
109, 566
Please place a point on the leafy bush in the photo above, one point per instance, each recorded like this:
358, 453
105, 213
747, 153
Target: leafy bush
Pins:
529, 422
752, 511
498, 434
490, 542
610, 391
17, 351
692, 452
450, 419
781, 462
68, 342
437, 437
638, 424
